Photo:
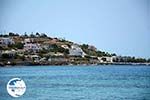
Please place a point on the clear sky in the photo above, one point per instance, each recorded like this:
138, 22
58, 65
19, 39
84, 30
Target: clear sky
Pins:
116, 26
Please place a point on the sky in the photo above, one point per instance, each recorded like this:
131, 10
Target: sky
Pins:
115, 26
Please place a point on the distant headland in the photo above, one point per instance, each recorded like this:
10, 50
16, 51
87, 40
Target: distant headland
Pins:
40, 49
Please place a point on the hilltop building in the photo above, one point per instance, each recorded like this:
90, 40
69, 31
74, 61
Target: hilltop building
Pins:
75, 50
6, 41
32, 47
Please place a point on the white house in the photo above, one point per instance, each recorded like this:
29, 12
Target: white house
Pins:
28, 40
75, 50
47, 46
6, 41
65, 46
36, 58
11, 53
32, 47
105, 59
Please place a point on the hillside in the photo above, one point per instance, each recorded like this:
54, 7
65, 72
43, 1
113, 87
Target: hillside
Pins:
38, 48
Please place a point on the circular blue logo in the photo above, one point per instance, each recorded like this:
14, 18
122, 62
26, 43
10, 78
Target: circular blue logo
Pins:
16, 87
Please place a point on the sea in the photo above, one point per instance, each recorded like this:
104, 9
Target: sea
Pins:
101, 82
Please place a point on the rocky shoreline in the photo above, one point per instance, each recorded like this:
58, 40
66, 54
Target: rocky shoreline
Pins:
70, 64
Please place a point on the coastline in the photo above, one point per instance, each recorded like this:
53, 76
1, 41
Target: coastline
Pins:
65, 64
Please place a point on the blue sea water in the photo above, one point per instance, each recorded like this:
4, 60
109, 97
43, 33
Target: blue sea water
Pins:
104, 82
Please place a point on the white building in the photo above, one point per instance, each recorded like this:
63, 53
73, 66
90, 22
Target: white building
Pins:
28, 40
6, 41
36, 58
75, 50
32, 47
47, 46
65, 46
105, 59
10, 53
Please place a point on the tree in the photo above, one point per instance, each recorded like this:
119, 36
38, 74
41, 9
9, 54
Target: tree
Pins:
32, 35
113, 54
5, 56
43, 35
11, 34
17, 45
107, 54
3, 35
25, 34
140, 60
16, 34
148, 60
100, 53
1, 48
37, 34
66, 51
59, 49
84, 46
